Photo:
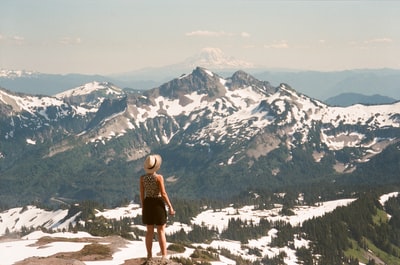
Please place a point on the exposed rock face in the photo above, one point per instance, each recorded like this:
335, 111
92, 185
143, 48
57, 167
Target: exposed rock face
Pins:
202, 124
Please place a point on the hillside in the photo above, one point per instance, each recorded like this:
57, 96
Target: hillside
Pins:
219, 137
348, 231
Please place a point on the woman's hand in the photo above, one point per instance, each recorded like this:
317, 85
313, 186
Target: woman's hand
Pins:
171, 211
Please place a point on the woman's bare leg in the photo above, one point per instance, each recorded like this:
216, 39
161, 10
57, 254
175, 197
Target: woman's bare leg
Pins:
162, 240
149, 240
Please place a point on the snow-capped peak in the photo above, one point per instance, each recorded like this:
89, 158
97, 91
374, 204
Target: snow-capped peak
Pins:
27, 103
11, 74
214, 58
105, 87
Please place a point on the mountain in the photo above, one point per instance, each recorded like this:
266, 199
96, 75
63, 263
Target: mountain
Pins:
219, 137
323, 85
91, 94
316, 84
47, 84
210, 58
50, 84
214, 58
12, 74
348, 99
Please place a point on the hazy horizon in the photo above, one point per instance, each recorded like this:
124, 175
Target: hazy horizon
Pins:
107, 37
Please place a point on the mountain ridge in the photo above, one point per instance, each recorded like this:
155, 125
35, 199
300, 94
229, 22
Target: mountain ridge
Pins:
316, 84
212, 131
348, 99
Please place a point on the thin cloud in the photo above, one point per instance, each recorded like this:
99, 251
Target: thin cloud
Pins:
379, 40
210, 33
277, 45
70, 41
207, 33
245, 34
18, 40
367, 44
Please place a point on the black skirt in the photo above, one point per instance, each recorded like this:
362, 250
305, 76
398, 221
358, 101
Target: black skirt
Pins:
153, 211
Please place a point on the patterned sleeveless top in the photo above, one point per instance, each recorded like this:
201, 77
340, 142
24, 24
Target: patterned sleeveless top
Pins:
151, 187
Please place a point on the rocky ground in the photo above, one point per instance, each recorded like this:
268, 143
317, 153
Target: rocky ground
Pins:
98, 249
67, 261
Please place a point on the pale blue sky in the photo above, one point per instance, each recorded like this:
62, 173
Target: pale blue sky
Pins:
112, 36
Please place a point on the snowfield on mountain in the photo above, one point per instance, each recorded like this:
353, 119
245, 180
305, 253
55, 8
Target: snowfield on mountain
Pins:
237, 131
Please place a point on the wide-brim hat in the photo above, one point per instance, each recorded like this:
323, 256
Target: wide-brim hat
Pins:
152, 163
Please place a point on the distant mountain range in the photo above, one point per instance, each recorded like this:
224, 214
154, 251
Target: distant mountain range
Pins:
324, 85
318, 85
348, 99
218, 136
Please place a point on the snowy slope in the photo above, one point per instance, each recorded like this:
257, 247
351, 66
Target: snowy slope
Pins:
104, 87
38, 104
28, 103
238, 113
12, 74
254, 109
14, 219
214, 58
240, 117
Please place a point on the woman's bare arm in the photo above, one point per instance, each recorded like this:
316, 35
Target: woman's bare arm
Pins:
141, 191
164, 194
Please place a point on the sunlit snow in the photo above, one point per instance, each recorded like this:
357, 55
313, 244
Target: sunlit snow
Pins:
30, 216
89, 88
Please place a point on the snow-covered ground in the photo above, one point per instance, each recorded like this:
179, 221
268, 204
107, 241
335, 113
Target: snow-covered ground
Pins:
13, 250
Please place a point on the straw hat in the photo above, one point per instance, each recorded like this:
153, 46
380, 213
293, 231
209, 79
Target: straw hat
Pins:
152, 163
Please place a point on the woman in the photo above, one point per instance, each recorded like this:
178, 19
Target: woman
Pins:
153, 198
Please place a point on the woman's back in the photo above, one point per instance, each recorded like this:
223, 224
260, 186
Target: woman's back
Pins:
151, 186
